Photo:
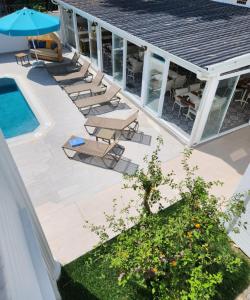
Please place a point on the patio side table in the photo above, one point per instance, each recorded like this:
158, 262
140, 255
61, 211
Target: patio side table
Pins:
22, 57
105, 134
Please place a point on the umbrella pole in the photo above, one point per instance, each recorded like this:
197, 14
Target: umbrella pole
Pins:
34, 46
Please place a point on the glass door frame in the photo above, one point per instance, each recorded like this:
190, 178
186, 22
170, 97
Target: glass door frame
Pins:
146, 78
65, 27
163, 87
121, 82
76, 32
99, 46
228, 104
137, 99
229, 99
196, 138
95, 62
178, 131
204, 110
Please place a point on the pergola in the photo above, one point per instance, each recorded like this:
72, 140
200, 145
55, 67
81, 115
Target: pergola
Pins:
206, 38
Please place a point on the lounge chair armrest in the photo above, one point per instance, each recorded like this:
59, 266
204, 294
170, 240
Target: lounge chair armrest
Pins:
116, 98
89, 74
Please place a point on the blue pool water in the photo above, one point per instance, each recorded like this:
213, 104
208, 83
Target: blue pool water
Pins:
16, 117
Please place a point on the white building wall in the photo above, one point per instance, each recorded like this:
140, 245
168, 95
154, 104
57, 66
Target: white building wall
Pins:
27, 268
234, 2
12, 44
242, 239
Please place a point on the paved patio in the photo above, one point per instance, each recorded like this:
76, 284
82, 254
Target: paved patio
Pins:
65, 192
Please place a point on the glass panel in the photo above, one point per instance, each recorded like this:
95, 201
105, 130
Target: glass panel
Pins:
220, 104
118, 59
238, 112
69, 27
135, 58
107, 51
156, 66
83, 34
182, 98
93, 43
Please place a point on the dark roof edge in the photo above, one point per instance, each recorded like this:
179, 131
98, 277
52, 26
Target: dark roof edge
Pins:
137, 40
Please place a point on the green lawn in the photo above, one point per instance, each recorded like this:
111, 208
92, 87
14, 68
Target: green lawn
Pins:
87, 278
82, 281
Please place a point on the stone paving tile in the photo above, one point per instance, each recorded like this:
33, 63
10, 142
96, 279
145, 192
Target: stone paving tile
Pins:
65, 192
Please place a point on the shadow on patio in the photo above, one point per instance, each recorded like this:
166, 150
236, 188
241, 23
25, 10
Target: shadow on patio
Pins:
138, 137
233, 148
123, 166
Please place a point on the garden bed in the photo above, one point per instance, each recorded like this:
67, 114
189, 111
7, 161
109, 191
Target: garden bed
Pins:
90, 278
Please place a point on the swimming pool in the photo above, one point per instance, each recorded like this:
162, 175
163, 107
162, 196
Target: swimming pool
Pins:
16, 116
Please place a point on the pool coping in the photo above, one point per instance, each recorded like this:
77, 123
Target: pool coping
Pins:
41, 113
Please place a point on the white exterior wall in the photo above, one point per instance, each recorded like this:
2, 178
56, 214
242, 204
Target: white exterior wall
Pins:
234, 2
242, 239
27, 268
11, 44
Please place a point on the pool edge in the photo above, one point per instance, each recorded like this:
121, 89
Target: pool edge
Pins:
39, 110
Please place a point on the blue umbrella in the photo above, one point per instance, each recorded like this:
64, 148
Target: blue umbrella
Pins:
28, 22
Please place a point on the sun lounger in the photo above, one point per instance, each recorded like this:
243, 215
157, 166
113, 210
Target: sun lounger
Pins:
60, 69
109, 96
105, 151
81, 74
83, 87
129, 124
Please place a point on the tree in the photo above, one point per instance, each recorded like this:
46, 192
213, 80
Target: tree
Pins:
182, 252
13, 5
147, 182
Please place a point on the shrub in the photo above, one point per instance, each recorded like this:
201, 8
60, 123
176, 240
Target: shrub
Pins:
182, 252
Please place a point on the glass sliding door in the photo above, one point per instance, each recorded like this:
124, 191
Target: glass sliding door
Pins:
107, 51
156, 66
135, 59
117, 58
182, 98
238, 112
93, 42
219, 107
83, 35
69, 27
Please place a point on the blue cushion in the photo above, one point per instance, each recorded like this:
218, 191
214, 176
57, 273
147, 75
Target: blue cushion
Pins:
74, 142
53, 46
31, 45
41, 44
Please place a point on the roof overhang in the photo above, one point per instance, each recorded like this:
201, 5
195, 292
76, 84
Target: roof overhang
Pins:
167, 55
202, 73
230, 65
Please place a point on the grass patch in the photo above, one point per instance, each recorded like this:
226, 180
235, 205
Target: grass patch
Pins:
82, 279
90, 278
234, 284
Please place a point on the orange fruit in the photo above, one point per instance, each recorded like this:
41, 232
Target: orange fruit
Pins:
173, 263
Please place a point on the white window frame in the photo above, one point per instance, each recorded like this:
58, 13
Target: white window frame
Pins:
212, 75
99, 46
163, 87
76, 32
204, 110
